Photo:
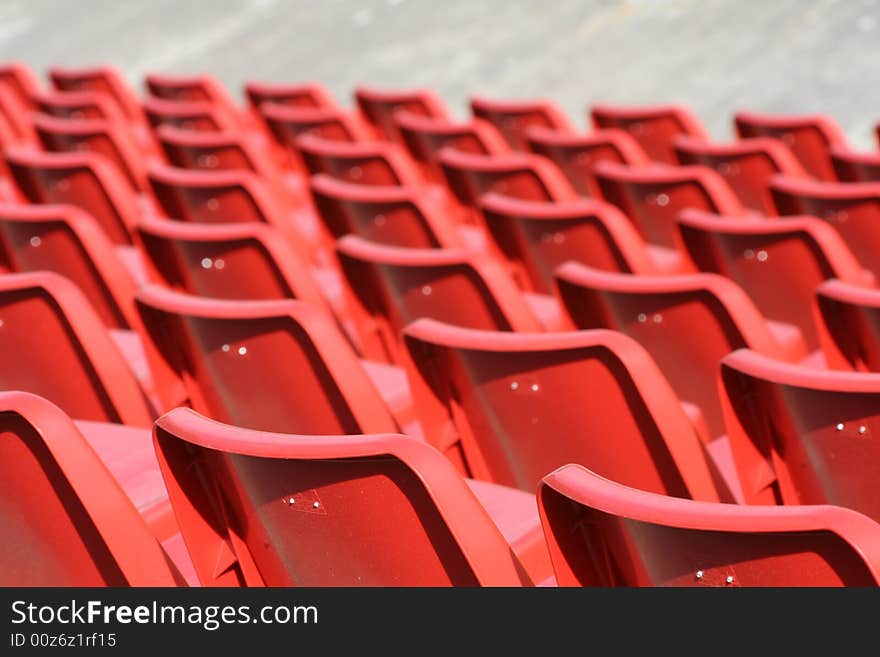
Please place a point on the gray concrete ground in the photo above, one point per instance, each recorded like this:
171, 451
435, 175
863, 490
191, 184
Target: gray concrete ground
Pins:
715, 55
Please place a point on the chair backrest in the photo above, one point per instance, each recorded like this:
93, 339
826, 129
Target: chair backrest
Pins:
79, 105
544, 234
853, 209
66, 521
278, 365
286, 123
576, 153
86, 180
16, 114
852, 166
795, 253
393, 215
372, 510
102, 79
226, 261
655, 127
808, 136
393, 286
187, 114
364, 163
55, 345
66, 240
519, 405
101, 136
424, 137
848, 319
298, 95
519, 175
686, 322
601, 533
513, 118
202, 88
802, 435
652, 196
19, 77
747, 165
379, 106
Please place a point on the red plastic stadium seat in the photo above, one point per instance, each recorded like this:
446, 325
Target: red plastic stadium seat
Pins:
424, 138
809, 136
79, 105
99, 136
66, 240
848, 318
513, 118
226, 261
575, 154
103, 79
188, 115
272, 365
687, 323
655, 127
16, 115
364, 163
541, 235
293, 95
263, 509
393, 215
747, 165
778, 263
652, 196
601, 533
201, 88
55, 345
80, 529
379, 106
23, 82
853, 209
394, 286
515, 406
801, 435
851, 166
86, 180
519, 175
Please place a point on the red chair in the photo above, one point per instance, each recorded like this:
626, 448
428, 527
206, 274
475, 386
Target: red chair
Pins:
379, 106
575, 153
512, 406
541, 235
102, 79
66, 240
601, 533
187, 115
86, 180
16, 115
513, 118
80, 105
801, 435
853, 209
200, 88
99, 136
653, 196
23, 82
226, 261
424, 137
747, 165
55, 345
809, 136
377, 510
850, 166
687, 323
81, 528
848, 320
364, 163
393, 215
292, 95
654, 127
394, 286
779, 264
278, 365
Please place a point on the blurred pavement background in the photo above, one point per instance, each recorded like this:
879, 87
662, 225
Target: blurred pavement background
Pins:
715, 55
